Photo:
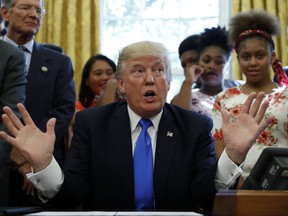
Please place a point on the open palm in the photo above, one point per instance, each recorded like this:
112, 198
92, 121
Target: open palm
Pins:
241, 133
35, 146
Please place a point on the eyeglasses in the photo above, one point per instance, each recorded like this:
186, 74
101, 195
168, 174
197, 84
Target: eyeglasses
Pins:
27, 9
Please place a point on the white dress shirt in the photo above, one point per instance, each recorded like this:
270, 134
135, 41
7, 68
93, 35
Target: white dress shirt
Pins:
136, 129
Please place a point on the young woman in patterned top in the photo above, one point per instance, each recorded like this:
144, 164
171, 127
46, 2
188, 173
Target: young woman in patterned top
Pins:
251, 32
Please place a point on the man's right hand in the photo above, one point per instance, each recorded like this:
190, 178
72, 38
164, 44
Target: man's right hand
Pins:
34, 145
240, 133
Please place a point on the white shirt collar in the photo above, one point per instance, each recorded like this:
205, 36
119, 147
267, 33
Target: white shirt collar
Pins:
134, 119
28, 45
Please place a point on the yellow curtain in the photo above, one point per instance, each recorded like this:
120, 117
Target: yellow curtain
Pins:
277, 7
73, 25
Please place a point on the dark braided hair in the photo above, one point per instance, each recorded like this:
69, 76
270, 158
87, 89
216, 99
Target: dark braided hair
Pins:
215, 36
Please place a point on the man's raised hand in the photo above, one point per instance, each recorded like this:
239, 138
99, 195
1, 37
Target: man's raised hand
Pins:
241, 133
34, 145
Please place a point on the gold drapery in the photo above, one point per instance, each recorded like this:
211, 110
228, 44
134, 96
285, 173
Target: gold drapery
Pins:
277, 7
74, 26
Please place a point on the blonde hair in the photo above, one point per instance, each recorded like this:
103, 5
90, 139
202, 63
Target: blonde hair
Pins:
141, 49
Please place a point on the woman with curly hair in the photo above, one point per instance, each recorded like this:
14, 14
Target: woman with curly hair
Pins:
251, 33
214, 52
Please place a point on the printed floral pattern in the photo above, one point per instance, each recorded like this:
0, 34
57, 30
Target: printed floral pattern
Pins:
276, 134
202, 103
233, 100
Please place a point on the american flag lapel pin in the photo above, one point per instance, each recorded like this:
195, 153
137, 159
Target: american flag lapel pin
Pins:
169, 133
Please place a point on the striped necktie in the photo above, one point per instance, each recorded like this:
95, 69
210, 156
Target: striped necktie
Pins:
25, 51
23, 48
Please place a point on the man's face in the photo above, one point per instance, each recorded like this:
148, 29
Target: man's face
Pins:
144, 82
24, 18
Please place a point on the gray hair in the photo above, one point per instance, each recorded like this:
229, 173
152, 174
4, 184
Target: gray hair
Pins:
10, 3
140, 49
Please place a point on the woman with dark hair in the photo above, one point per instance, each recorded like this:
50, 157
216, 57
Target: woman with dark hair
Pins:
98, 87
251, 32
214, 52
97, 72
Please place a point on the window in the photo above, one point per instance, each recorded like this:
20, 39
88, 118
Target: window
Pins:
168, 22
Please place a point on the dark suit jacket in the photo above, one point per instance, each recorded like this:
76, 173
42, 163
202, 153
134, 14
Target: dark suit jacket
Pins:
99, 166
12, 91
50, 92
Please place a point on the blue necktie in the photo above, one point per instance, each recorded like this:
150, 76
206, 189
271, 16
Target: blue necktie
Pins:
143, 169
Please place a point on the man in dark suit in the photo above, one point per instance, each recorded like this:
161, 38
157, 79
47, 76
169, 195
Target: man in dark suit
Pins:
100, 168
12, 91
50, 88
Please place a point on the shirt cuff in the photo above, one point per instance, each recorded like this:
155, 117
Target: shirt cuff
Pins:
48, 178
227, 171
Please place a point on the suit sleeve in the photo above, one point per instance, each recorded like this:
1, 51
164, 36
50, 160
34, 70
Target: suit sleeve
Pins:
203, 186
12, 90
76, 168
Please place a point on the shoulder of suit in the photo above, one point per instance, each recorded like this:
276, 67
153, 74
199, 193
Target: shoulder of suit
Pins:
185, 115
102, 113
111, 107
51, 52
5, 46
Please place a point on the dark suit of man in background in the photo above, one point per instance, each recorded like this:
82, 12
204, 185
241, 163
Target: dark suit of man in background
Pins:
99, 168
12, 91
50, 88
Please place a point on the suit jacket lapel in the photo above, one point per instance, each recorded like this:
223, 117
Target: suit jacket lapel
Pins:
37, 72
166, 142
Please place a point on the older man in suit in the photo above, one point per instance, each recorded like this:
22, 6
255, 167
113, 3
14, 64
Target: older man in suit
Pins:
102, 168
12, 91
50, 88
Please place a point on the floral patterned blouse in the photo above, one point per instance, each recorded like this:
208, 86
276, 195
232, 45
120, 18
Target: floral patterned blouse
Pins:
276, 134
202, 103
